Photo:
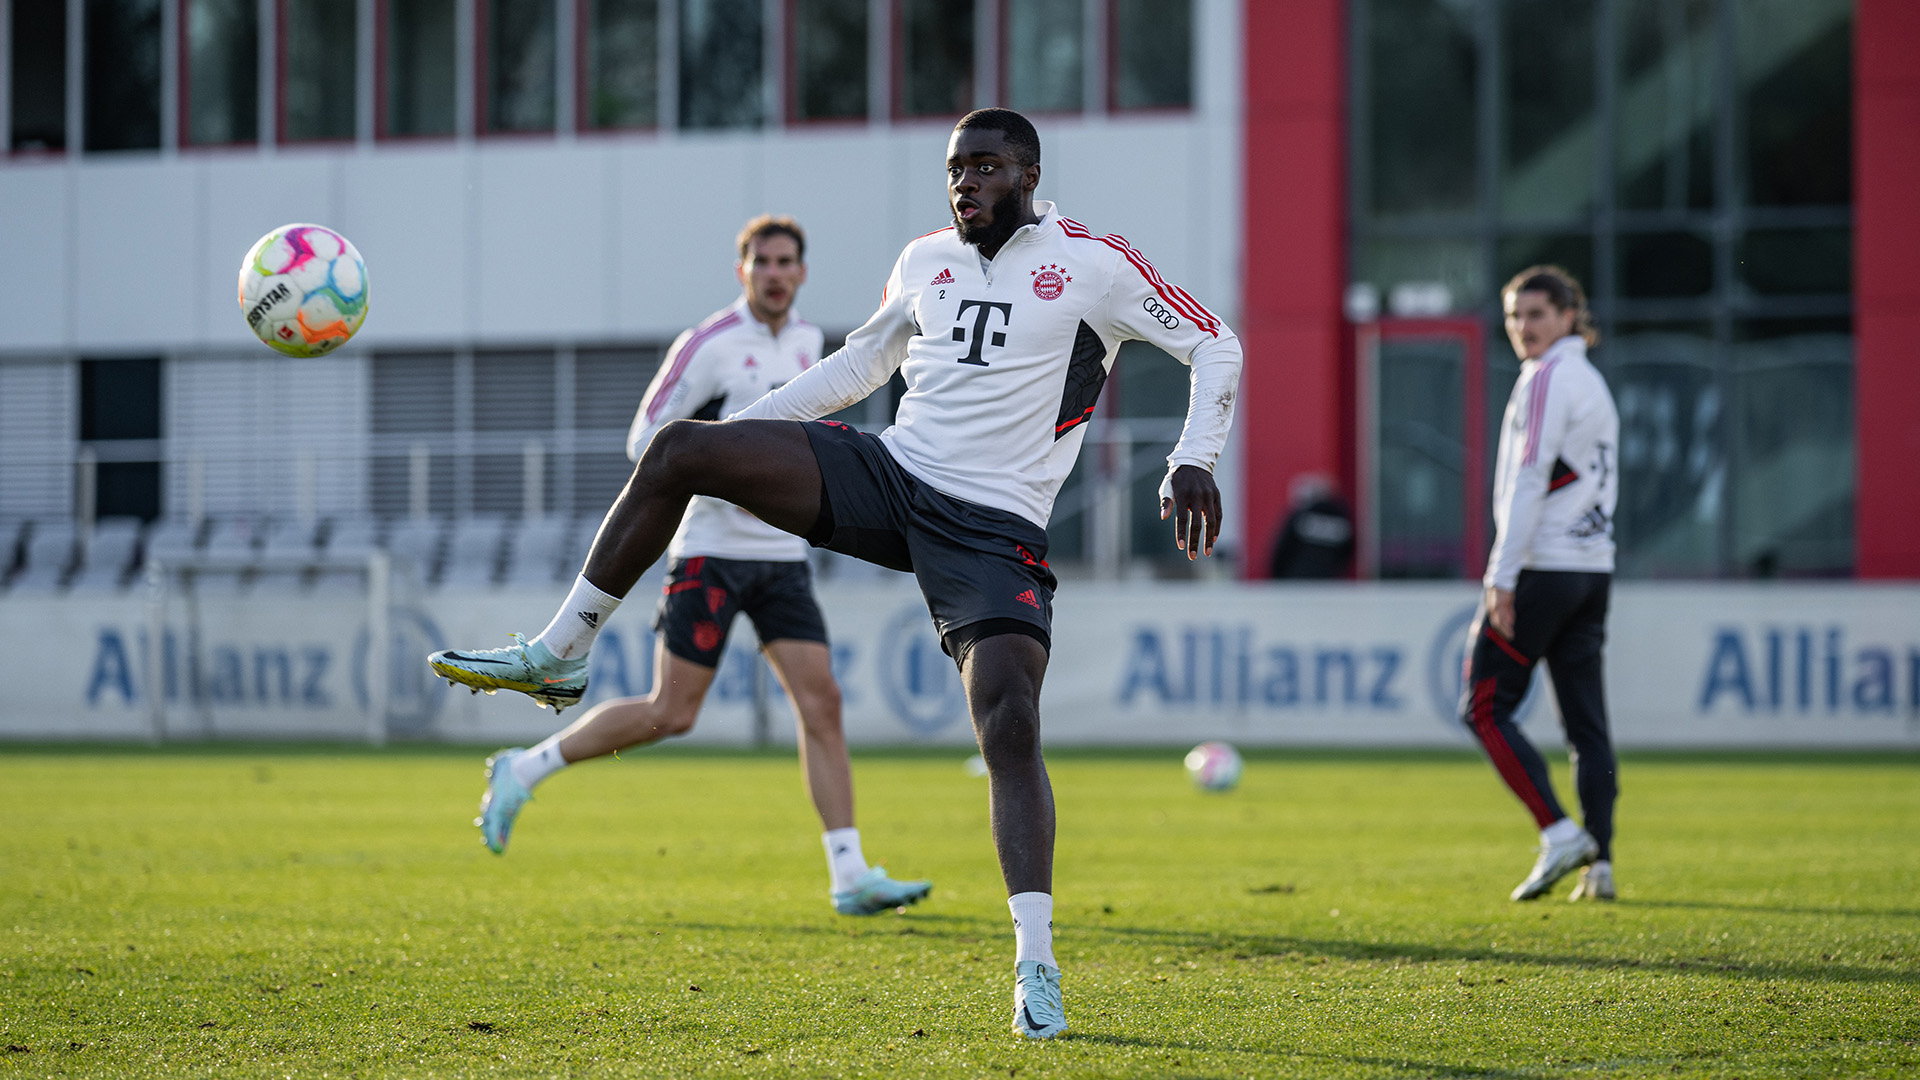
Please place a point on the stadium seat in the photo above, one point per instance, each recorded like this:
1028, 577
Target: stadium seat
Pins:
415, 544
108, 555
343, 559
286, 556
49, 556
537, 552
473, 556
232, 552
12, 530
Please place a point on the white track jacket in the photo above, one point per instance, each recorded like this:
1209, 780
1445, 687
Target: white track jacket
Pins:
1556, 480
1004, 360
711, 371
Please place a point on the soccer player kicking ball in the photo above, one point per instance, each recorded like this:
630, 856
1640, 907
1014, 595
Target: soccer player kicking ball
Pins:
1555, 484
1004, 326
725, 562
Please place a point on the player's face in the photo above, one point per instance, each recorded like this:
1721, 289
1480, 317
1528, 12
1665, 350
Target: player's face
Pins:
986, 188
771, 274
1533, 323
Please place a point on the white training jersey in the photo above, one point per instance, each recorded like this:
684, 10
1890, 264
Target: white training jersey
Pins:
711, 371
1004, 360
1556, 480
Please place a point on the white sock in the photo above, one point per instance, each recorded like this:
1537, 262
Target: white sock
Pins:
1560, 831
540, 762
572, 631
1032, 927
844, 860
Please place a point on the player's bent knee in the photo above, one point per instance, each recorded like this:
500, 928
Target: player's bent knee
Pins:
1008, 730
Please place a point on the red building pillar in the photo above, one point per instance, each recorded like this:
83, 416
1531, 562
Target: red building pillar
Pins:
1295, 415
1886, 286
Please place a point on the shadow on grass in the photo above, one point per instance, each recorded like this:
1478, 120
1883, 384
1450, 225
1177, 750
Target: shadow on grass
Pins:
1780, 909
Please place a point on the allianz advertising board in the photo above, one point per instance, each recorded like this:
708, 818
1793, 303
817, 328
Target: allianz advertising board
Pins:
1730, 665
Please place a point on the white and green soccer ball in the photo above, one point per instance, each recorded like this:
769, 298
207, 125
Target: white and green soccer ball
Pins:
303, 290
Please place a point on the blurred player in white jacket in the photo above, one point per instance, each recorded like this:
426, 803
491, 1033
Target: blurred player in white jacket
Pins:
1555, 485
1004, 327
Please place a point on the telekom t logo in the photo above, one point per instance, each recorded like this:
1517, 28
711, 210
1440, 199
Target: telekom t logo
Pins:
980, 336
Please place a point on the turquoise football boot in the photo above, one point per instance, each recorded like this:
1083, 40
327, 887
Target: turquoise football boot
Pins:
502, 802
524, 666
876, 892
1038, 1011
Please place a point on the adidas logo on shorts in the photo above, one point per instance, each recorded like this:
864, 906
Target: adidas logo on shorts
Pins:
1028, 598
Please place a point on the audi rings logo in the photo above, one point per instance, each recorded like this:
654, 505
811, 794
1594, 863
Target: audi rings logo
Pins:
921, 685
1161, 313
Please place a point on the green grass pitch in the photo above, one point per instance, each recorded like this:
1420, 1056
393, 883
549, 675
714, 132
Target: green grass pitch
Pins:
313, 912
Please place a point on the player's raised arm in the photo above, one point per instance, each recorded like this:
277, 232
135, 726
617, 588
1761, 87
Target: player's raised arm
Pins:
864, 364
679, 390
1145, 307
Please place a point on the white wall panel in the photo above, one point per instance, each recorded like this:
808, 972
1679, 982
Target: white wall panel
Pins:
405, 209
246, 197
138, 252
678, 205
538, 211
34, 270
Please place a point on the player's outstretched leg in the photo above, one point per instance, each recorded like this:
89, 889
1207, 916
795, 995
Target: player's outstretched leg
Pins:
805, 669
1002, 676
764, 466
678, 688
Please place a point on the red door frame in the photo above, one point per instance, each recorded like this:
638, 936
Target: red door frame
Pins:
1473, 465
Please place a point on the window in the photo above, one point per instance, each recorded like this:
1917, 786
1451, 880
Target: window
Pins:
935, 57
722, 63
37, 74
418, 68
1547, 135
120, 407
1045, 65
517, 65
220, 104
1418, 101
122, 94
620, 70
829, 59
1666, 71
1152, 54
1795, 67
319, 85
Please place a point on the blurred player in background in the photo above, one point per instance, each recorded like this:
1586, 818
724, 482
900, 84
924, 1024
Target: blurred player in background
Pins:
1004, 326
724, 562
1554, 489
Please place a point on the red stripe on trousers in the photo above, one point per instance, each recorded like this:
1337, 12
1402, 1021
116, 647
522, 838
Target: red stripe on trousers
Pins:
1504, 762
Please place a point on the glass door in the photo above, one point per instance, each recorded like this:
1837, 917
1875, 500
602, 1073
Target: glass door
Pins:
1422, 464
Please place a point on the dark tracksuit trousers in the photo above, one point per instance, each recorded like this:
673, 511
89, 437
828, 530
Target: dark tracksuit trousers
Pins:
1559, 617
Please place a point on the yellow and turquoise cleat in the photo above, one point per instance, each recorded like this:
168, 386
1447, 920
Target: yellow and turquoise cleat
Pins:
524, 666
502, 802
875, 892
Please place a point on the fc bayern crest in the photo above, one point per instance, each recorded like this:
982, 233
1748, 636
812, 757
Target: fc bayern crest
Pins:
1049, 282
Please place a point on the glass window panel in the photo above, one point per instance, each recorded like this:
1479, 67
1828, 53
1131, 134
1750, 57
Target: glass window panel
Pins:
223, 72
1665, 265
1418, 465
1789, 261
1152, 54
1150, 539
936, 57
1664, 127
321, 79
420, 67
1419, 122
120, 399
520, 74
830, 59
1451, 261
37, 77
623, 61
1547, 144
1574, 254
127, 489
1673, 469
1045, 54
123, 75
721, 63
1795, 68
1794, 444
1151, 385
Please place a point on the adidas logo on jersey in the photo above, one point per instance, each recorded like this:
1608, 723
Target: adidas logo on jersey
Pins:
945, 278
1028, 598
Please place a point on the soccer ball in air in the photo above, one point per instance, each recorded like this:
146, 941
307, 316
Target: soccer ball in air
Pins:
1214, 766
303, 290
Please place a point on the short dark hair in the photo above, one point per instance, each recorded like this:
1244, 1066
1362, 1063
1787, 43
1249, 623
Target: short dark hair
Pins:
1562, 290
768, 225
1022, 141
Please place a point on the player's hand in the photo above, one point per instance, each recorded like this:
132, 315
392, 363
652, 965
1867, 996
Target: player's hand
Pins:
1500, 611
1192, 499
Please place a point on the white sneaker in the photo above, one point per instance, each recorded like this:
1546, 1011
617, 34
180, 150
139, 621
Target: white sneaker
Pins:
1557, 860
1596, 883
